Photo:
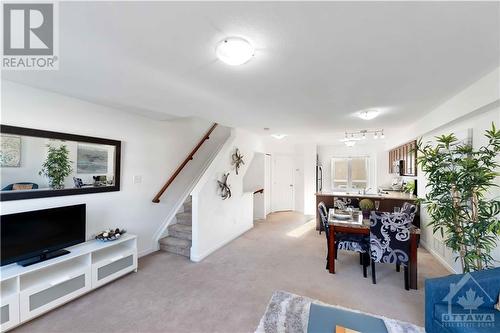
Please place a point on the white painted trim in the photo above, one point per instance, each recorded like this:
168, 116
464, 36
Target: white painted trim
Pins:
147, 251
438, 257
200, 257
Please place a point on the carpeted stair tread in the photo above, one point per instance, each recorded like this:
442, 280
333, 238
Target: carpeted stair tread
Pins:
184, 218
181, 231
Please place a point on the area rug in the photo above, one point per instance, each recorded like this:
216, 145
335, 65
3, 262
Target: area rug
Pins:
289, 313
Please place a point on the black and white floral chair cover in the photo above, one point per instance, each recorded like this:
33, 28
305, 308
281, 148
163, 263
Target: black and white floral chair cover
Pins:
390, 240
409, 209
344, 203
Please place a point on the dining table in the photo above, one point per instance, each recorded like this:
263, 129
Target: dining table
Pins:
356, 224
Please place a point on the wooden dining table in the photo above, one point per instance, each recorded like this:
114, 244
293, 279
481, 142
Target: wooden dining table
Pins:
358, 225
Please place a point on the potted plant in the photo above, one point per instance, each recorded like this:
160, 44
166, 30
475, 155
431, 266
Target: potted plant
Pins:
366, 206
459, 178
57, 166
409, 187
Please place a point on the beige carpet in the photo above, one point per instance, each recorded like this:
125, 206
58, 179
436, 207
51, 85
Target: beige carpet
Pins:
229, 290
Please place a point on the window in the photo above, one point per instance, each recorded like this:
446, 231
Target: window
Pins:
350, 173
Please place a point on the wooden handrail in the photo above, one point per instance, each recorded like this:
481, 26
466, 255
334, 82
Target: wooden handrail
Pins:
156, 199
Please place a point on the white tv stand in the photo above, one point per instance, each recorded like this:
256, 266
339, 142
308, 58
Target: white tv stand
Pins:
27, 292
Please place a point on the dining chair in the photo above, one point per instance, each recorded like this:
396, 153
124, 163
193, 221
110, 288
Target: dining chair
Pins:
411, 210
323, 215
356, 243
20, 186
346, 202
390, 241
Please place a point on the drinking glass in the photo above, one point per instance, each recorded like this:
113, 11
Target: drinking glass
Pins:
377, 204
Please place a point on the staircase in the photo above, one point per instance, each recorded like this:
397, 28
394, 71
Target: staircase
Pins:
179, 236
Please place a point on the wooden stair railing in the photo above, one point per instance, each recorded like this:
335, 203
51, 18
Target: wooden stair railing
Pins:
156, 199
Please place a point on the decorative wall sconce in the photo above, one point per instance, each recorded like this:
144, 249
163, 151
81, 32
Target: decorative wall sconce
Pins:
237, 160
225, 191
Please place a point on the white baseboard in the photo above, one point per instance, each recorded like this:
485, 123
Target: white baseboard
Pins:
200, 257
438, 257
146, 252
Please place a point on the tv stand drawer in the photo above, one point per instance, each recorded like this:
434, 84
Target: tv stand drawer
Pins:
110, 269
40, 299
9, 312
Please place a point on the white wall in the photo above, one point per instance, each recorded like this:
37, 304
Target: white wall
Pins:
306, 167
150, 149
215, 221
475, 107
255, 180
267, 184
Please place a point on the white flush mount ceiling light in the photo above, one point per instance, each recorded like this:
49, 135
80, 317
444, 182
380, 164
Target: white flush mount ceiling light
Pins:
234, 51
368, 114
278, 136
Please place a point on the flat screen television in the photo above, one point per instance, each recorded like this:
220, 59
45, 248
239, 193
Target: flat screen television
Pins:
34, 236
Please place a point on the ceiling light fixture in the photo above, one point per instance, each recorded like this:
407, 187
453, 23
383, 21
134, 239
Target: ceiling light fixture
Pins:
350, 138
278, 136
234, 51
368, 114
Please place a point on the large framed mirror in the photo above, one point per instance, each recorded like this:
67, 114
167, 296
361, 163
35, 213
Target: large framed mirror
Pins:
36, 164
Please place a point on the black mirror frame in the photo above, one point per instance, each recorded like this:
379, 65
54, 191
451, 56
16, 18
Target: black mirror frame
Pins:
20, 195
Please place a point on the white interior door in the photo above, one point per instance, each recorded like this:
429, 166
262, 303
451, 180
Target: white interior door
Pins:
283, 183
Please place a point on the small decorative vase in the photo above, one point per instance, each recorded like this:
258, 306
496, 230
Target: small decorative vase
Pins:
366, 214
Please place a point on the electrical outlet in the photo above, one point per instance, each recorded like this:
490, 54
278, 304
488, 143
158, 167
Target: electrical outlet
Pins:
137, 179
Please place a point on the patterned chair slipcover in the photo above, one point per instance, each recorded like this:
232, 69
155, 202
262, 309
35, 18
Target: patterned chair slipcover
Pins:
390, 240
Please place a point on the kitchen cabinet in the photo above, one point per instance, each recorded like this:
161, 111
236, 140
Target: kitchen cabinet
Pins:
404, 157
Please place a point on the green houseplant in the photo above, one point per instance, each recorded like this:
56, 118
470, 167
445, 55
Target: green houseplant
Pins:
57, 166
366, 205
459, 178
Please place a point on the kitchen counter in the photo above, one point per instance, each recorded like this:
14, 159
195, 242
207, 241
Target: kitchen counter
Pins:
394, 195
387, 201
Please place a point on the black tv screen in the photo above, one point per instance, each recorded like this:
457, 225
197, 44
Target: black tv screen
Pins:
30, 234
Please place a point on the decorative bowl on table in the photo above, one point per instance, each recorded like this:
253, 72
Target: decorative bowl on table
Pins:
342, 215
110, 235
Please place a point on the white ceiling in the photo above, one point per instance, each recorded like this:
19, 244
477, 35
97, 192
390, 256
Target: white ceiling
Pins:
316, 64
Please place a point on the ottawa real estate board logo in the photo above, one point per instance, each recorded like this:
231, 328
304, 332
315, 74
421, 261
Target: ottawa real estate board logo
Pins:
30, 36
469, 306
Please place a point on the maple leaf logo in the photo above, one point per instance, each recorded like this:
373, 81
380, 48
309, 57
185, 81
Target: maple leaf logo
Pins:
470, 301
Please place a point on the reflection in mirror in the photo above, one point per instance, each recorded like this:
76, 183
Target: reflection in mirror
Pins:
37, 164
34, 163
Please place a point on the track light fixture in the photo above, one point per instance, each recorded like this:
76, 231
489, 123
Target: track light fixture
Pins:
350, 138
